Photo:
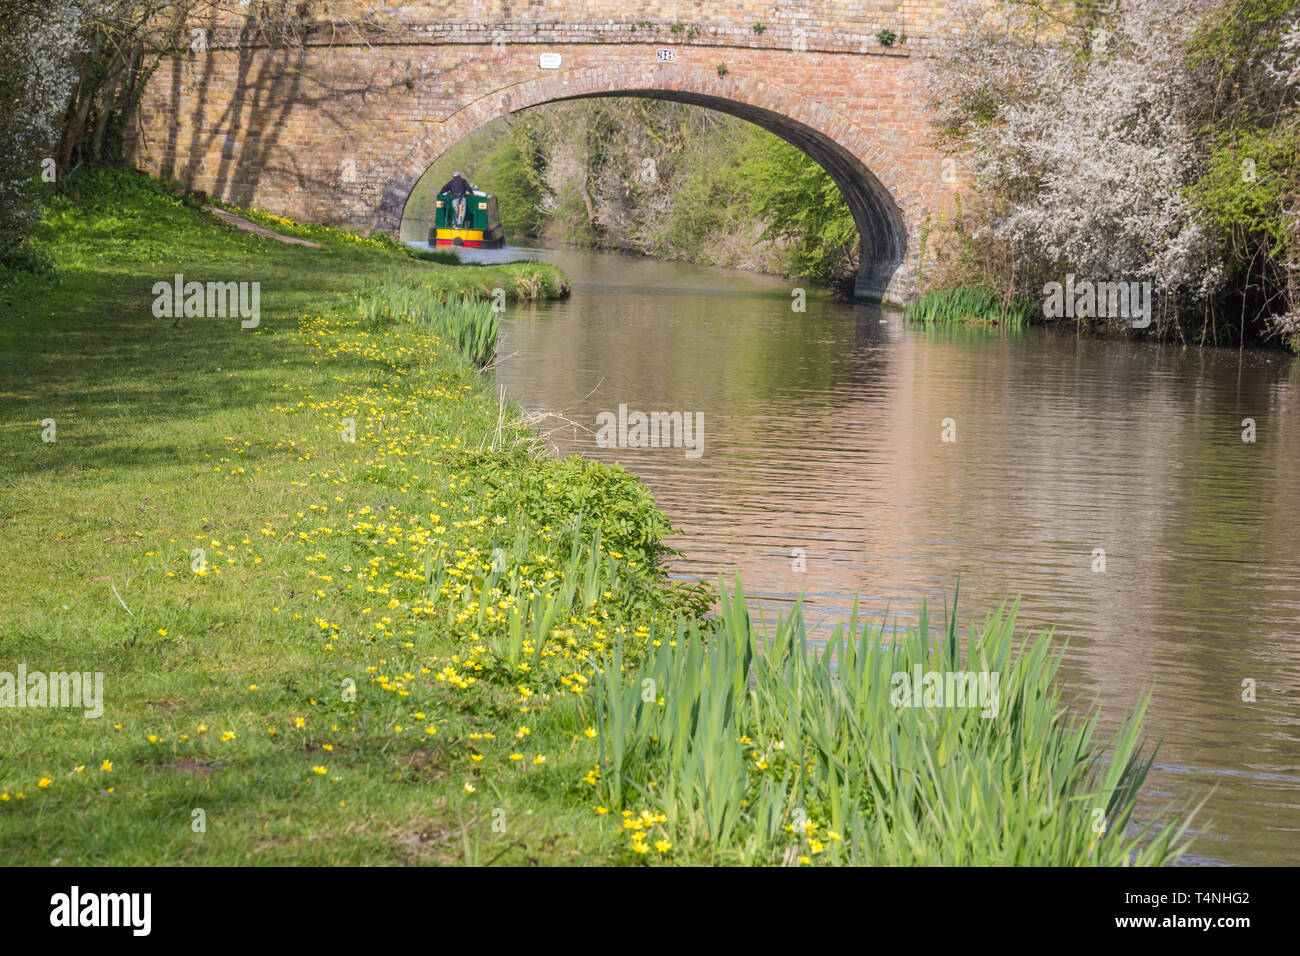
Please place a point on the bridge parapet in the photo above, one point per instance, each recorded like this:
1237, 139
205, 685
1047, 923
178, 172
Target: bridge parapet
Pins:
839, 26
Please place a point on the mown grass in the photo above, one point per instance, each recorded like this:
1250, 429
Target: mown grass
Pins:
348, 611
215, 437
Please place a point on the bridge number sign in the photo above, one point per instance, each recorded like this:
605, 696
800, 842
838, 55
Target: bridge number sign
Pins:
665, 55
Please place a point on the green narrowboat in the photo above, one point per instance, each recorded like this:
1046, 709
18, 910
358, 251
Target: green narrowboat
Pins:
476, 226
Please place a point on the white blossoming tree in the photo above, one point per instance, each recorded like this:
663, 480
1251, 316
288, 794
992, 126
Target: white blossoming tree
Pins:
38, 46
1090, 134
1083, 130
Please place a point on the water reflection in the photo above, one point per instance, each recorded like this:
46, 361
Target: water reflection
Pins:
823, 434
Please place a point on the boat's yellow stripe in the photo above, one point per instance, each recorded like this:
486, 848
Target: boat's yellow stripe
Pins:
459, 234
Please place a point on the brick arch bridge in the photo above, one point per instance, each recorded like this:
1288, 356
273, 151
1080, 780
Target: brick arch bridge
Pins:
335, 120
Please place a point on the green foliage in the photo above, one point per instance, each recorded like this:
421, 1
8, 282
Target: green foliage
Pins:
1251, 181
24, 258
471, 325
802, 207
519, 195
755, 757
1249, 185
968, 305
552, 491
1239, 32
706, 201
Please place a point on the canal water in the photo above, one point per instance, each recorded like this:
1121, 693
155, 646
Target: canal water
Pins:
1105, 484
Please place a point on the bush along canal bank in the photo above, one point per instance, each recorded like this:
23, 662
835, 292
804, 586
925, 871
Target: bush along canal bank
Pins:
347, 609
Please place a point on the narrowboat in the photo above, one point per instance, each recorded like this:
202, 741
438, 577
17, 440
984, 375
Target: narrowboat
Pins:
480, 227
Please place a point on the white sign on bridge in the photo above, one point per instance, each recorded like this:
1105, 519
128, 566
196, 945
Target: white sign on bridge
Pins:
550, 61
666, 54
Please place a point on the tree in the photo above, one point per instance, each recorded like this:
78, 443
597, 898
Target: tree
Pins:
38, 42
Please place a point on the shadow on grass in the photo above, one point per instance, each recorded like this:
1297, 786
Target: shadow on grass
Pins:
113, 376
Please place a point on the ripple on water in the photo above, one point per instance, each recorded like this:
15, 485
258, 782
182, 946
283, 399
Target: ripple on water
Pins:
822, 433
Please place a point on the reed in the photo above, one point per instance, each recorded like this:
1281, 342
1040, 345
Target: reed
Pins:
969, 305
471, 324
765, 757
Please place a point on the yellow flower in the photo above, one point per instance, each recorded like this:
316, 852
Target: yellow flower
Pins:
663, 846
539, 759
516, 756
43, 782
320, 771
106, 765
469, 787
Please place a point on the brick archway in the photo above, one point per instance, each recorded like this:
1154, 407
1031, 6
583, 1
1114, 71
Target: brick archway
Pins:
337, 125
795, 118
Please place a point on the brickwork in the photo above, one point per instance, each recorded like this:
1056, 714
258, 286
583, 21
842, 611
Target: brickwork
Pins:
338, 128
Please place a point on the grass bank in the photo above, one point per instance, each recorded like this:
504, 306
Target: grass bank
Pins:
347, 611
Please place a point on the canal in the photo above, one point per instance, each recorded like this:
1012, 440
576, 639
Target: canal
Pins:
1106, 484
